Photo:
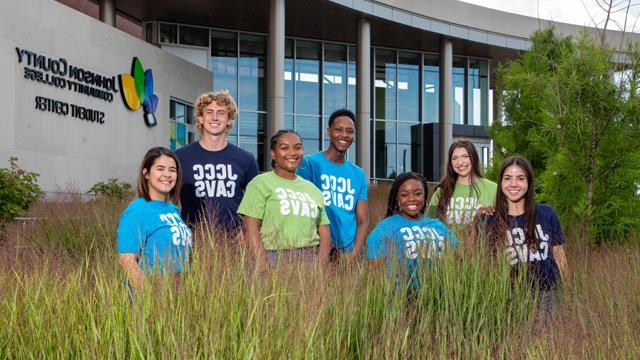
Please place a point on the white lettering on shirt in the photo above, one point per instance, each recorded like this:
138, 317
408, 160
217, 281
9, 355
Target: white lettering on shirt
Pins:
214, 180
337, 191
296, 203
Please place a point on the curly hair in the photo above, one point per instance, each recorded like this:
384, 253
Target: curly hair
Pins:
222, 98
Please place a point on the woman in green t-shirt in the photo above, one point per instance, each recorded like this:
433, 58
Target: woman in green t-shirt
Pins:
463, 191
283, 214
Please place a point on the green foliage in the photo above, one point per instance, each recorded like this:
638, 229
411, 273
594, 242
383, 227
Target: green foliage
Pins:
18, 190
113, 188
575, 114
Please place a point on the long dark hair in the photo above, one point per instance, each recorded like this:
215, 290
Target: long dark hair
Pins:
392, 202
147, 162
274, 141
497, 232
448, 182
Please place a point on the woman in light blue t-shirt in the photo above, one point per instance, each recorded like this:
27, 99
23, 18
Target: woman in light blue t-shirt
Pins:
152, 238
406, 238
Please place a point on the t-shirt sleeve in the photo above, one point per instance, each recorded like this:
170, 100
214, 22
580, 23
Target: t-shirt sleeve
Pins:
487, 196
433, 203
130, 233
377, 244
304, 170
557, 235
252, 170
254, 200
364, 188
324, 217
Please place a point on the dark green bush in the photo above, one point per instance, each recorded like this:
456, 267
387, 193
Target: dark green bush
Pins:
18, 190
113, 188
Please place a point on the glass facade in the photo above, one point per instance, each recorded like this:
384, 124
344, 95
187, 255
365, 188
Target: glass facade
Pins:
431, 95
320, 77
397, 134
458, 95
238, 62
478, 94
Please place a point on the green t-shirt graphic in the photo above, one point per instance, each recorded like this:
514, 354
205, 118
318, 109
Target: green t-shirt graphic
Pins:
290, 210
465, 201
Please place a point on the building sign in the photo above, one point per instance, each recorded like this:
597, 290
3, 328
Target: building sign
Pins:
136, 89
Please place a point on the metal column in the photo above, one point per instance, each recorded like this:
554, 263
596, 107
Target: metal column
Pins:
363, 97
108, 12
275, 75
446, 100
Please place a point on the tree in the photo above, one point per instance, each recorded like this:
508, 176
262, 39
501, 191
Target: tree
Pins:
575, 113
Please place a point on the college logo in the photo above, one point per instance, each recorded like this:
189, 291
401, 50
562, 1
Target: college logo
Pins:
137, 91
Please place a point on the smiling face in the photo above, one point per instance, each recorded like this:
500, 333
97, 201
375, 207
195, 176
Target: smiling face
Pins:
411, 199
461, 163
341, 133
215, 119
161, 177
514, 184
287, 153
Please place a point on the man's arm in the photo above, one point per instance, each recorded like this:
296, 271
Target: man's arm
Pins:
362, 226
325, 244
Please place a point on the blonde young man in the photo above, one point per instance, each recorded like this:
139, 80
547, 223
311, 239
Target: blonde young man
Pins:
215, 172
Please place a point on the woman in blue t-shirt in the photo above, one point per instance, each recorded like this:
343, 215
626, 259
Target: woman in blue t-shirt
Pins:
151, 234
406, 238
530, 232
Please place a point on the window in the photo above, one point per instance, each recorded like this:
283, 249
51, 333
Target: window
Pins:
431, 95
397, 130
194, 36
385, 84
409, 86
169, 33
478, 92
182, 129
459, 95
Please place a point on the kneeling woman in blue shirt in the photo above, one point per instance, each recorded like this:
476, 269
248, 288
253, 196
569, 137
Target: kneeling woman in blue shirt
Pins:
152, 238
406, 238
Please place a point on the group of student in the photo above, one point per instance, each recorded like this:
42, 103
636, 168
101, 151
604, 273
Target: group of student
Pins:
314, 207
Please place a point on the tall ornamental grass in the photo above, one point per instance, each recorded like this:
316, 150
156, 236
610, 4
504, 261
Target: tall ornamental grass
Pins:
62, 295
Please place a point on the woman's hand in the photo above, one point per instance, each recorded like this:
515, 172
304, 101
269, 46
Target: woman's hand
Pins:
486, 210
251, 230
561, 261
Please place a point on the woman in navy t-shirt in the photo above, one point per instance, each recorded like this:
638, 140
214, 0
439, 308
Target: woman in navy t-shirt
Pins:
530, 232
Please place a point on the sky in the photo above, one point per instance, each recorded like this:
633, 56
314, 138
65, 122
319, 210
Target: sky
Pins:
580, 12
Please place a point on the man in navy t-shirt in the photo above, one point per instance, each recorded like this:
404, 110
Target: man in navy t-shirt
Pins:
215, 173
343, 185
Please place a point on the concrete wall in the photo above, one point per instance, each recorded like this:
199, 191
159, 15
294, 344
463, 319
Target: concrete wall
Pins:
70, 153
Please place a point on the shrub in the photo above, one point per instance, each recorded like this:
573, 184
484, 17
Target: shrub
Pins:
18, 190
113, 188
